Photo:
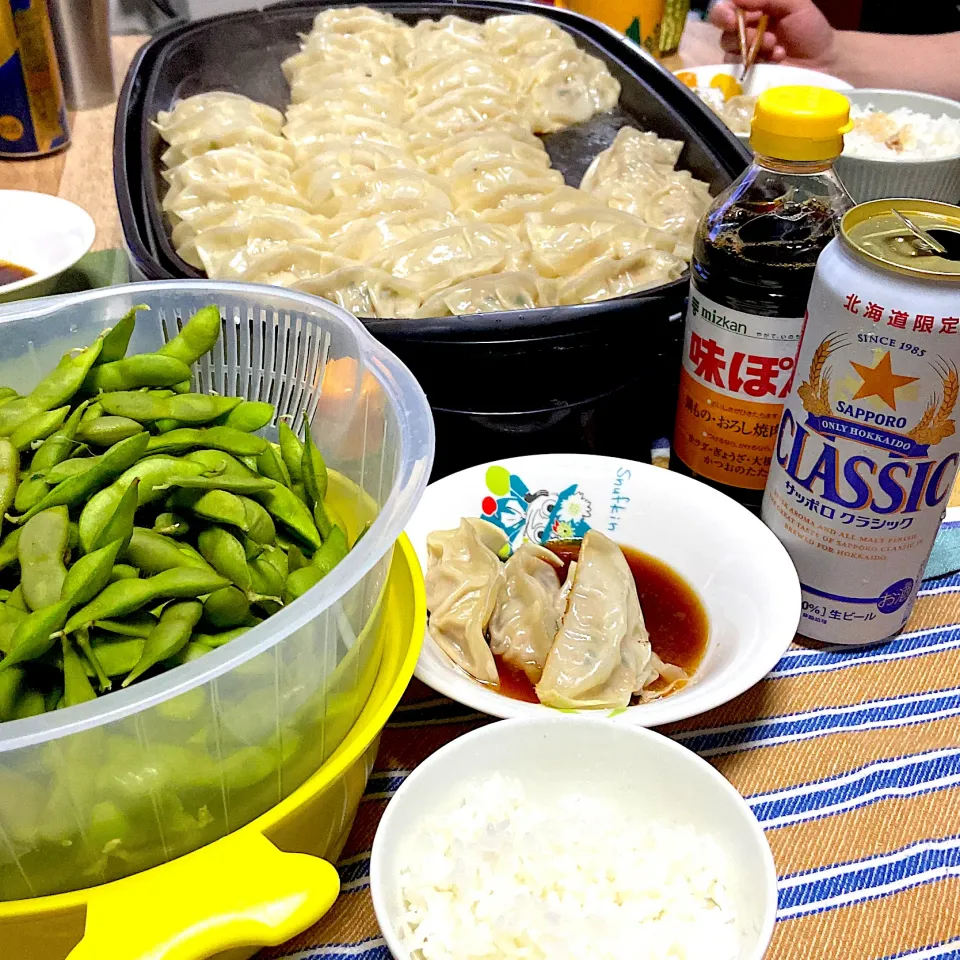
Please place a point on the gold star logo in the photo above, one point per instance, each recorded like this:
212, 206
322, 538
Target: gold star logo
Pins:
880, 381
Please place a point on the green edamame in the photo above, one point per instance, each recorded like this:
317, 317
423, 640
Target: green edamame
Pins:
31, 704
11, 683
278, 560
153, 553
227, 608
41, 550
198, 336
55, 449
214, 640
108, 430
295, 559
248, 416
224, 439
15, 601
143, 370
260, 525
117, 656
136, 626
334, 549
169, 637
36, 634
126, 596
291, 451
313, 467
171, 525
38, 427
283, 505
300, 581
89, 575
76, 489
76, 685
119, 525
53, 391
267, 581
69, 468
224, 552
220, 506
184, 407
271, 465
9, 476
123, 571
92, 661
117, 339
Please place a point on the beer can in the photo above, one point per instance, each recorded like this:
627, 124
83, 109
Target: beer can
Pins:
33, 114
867, 447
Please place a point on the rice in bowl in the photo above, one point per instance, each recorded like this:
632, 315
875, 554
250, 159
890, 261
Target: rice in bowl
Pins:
901, 134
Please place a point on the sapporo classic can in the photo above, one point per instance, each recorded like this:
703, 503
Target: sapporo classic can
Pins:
868, 446
33, 116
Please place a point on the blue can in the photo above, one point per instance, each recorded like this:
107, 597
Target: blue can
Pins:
33, 113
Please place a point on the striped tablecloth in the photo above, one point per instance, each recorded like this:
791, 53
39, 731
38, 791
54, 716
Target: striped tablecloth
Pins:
849, 758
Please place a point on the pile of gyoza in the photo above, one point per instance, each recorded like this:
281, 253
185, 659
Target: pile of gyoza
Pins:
582, 643
407, 178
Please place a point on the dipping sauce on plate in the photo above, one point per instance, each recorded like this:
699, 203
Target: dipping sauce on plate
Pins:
672, 611
12, 272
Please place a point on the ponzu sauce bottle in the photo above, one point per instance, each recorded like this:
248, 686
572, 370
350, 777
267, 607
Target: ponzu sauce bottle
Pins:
753, 260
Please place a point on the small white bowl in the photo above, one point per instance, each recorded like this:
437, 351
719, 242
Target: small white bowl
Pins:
764, 76
43, 233
744, 577
876, 179
651, 775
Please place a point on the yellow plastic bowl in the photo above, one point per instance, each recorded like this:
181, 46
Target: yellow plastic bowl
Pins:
258, 886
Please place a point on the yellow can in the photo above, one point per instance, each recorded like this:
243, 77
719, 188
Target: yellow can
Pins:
640, 20
33, 115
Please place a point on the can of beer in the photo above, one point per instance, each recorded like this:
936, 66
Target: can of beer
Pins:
867, 447
33, 114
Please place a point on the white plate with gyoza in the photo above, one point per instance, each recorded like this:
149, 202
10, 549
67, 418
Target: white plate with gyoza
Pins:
592, 584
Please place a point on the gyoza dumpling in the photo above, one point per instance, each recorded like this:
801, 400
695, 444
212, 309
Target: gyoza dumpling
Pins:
464, 109
282, 264
365, 292
365, 193
441, 156
215, 105
470, 179
369, 237
435, 79
463, 582
509, 34
226, 251
567, 87
528, 609
515, 290
604, 279
630, 156
601, 654
230, 134
194, 198
231, 163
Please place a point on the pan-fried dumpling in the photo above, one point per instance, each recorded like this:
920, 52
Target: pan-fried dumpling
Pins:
567, 87
343, 103
225, 250
366, 192
562, 242
528, 609
365, 292
603, 279
231, 163
602, 651
428, 144
217, 104
367, 238
463, 582
456, 73
499, 291
632, 151
346, 126
509, 34
464, 109
480, 147
281, 264
233, 134
235, 214
468, 180
193, 198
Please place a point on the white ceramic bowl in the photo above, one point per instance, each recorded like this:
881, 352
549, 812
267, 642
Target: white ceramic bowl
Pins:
767, 75
651, 775
868, 179
45, 234
742, 574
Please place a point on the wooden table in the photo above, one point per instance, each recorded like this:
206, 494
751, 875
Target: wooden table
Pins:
83, 173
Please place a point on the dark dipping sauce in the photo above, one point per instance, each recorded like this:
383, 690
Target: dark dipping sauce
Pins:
672, 611
11, 272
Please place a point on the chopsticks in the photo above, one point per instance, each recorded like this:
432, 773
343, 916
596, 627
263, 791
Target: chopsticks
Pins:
748, 56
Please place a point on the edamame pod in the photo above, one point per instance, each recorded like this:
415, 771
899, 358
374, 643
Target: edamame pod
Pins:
271, 465
143, 370
171, 525
92, 661
260, 525
53, 391
11, 683
55, 449
225, 439
334, 549
9, 476
169, 637
153, 553
123, 571
75, 490
198, 336
137, 626
118, 655
117, 339
185, 407
118, 526
108, 430
314, 468
76, 685
36, 634
248, 416
90, 574
38, 427
283, 505
227, 608
216, 505
291, 451
41, 549
125, 596
69, 468
224, 552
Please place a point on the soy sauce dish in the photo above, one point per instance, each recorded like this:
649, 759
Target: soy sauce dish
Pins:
562, 838
598, 586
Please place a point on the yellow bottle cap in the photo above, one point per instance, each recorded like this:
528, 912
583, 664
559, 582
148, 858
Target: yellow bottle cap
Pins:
800, 123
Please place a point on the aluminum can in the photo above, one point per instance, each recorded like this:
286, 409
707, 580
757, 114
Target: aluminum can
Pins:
33, 113
867, 447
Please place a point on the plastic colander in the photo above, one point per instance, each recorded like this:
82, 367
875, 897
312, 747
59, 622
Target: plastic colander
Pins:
143, 776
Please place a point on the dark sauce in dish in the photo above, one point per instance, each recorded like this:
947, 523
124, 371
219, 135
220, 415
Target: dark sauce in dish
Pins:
672, 611
12, 272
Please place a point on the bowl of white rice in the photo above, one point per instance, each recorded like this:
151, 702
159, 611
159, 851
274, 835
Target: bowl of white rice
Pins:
903, 144
571, 839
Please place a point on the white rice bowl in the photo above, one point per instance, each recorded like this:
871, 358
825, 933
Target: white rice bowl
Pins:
901, 134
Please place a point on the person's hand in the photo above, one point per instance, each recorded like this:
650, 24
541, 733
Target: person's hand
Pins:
797, 33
